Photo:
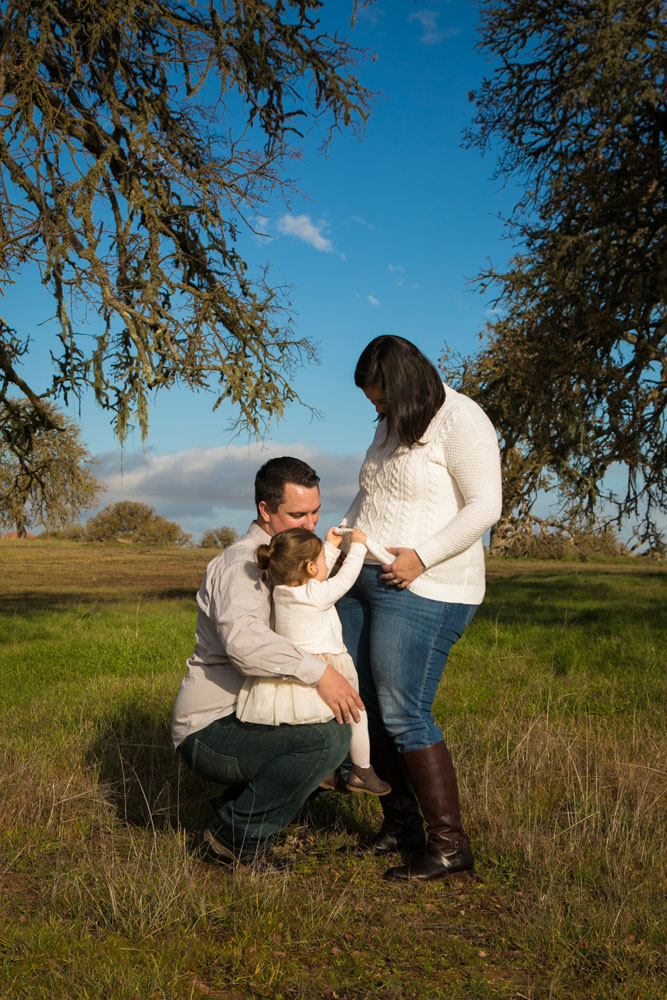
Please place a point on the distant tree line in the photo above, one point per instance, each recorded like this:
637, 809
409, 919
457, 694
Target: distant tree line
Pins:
134, 523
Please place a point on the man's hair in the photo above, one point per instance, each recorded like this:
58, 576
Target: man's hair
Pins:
412, 387
271, 479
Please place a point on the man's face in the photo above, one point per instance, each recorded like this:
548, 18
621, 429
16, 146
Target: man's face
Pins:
300, 508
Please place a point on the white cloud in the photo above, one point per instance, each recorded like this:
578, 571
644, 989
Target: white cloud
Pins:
205, 487
370, 14
302, 228
399, 270
373, 301
260, 226
360, 221
432, 33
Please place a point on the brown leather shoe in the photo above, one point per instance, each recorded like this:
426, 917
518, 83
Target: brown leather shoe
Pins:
364, 779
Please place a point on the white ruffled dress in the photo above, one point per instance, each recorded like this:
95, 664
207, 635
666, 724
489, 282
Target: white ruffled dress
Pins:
307, 617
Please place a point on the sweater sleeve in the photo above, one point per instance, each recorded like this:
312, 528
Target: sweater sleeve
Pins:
323, 594
331, 554
473, 458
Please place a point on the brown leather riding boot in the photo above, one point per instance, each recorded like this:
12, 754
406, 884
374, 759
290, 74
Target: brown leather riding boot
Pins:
402, 826
448, 849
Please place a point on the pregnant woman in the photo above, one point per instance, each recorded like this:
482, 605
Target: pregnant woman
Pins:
428, 490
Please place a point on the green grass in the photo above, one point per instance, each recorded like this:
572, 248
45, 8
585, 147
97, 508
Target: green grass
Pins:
553, 705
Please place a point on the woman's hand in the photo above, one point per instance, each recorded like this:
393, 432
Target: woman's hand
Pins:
405, 568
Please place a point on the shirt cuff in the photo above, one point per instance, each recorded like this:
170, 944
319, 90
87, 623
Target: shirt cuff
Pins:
310, 669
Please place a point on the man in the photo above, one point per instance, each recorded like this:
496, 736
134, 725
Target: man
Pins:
268, 771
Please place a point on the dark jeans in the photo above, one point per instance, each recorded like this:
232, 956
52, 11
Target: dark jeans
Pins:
274, 767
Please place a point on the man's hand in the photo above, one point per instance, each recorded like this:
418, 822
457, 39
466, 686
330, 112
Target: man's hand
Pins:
340, 696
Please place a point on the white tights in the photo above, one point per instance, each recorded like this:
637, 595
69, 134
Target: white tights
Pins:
360, 746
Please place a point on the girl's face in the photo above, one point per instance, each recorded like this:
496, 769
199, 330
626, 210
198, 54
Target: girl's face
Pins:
376, 395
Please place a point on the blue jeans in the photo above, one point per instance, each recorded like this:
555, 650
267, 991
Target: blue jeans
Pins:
274, 769
399, 643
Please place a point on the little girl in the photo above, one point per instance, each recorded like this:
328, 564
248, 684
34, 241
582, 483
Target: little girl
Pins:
297, 564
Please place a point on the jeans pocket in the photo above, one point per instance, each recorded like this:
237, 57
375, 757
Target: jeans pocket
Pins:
214, 766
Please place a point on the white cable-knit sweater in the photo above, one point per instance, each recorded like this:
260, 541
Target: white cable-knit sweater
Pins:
437, 498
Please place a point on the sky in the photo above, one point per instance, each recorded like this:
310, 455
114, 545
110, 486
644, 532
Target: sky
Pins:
383, 237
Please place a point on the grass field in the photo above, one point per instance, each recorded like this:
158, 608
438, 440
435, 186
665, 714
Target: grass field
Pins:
553, 705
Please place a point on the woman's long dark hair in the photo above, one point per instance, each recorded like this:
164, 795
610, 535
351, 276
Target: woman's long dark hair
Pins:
412, 387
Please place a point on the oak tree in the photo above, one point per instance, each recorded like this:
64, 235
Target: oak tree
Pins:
218, 538
132, 522
138, 141
48, 481
574, 370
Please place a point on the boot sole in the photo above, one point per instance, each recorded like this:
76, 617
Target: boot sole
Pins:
366, 791
435, 876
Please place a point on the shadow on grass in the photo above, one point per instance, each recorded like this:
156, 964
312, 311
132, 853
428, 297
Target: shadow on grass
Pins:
589, 599
144, 777
39, 600
149, 786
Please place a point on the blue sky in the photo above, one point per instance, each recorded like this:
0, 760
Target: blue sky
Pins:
382, 238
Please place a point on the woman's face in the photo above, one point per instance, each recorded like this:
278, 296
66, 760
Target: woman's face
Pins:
376, 395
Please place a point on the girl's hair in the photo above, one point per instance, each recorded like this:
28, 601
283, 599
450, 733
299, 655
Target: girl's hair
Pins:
412, 386
286, 557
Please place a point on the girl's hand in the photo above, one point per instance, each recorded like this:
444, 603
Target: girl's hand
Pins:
332, 538
405, 568
358, 536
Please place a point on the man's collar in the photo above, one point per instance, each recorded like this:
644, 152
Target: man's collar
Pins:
256, 529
